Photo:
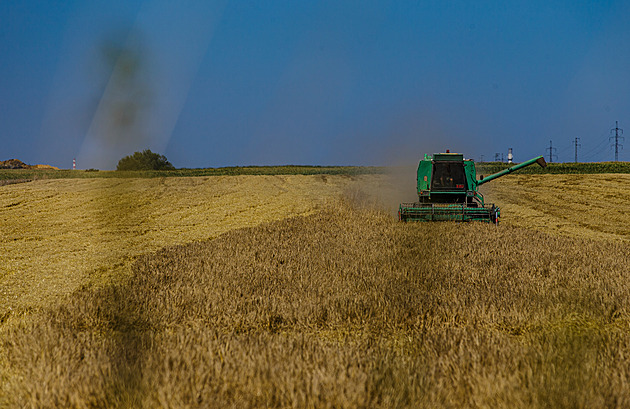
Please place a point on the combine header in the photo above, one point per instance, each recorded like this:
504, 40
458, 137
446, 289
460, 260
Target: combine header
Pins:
447, 190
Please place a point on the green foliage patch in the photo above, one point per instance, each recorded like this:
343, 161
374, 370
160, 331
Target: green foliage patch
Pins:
488, 168
145, 160
484, 168
6, 174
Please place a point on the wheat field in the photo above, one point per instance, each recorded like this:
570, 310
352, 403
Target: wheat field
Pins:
338, 305
60, 234
593, 206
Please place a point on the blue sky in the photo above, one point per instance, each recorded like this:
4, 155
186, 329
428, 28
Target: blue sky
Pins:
325, 82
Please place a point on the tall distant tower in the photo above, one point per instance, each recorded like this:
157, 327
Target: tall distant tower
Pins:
616, 138
510, 156
551, 150
74, 164
577, 145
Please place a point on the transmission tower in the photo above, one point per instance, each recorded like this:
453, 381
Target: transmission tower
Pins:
551, 150
496, 157
577, 144
617, 136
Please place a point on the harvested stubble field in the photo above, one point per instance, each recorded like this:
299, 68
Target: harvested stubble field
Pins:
586, 206
345, 307
56, 234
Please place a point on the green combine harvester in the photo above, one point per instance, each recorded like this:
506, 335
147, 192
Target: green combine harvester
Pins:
447, 190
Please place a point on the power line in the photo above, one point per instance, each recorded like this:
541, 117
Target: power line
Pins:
577, 145
617, 137
564, 149
593, 152
551, 150
596, 152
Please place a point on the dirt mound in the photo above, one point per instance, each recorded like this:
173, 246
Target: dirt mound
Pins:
18, 164
44, 167
13, 164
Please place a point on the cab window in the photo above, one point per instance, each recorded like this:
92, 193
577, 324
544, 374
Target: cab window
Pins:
448, 176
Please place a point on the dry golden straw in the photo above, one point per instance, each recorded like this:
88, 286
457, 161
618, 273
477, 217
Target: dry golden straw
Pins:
341, 307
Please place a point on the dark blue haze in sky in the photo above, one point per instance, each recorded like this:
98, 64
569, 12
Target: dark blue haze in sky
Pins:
298, 82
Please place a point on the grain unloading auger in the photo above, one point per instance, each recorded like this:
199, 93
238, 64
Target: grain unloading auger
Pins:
448, 190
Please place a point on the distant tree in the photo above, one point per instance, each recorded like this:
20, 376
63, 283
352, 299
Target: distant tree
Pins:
145, 160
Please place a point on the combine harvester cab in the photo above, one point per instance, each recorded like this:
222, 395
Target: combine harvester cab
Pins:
448, 190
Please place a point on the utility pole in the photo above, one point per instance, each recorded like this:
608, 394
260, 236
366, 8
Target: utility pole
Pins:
577, 145
617, 137
551, 150
481, 159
